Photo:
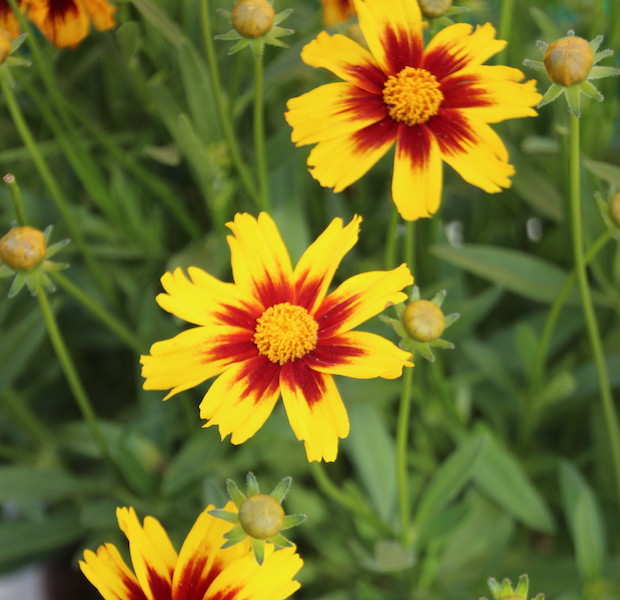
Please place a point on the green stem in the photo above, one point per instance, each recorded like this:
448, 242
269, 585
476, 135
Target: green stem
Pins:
220, 105
402, 451
123, 332
327, 486
260, 156
505, 28
68, 367
11, 183
21, 411
52, 185
390, 244
586, 302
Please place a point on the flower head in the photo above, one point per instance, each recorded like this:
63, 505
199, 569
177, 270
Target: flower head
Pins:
571, 64
202, 567
255, 24
505, 591
67, 22
421, 323
337, 11
24, 253
435, 103
260, 517
8, 20
276, 331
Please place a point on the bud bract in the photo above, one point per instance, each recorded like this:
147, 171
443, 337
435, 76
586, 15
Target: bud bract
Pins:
568, 60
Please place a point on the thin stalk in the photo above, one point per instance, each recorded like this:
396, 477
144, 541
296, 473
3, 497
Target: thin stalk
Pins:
27, 417
586, 302
220, 105
52, 185
11, 183
329, 488
404, 411
390, 244
505, 24
260, 155
70, 371
100, 312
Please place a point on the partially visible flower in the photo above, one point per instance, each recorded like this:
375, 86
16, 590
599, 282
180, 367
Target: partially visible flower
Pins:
8, 21
434, 103
276, 331
505, 591
202, 569
24, 253
259, 517
570, 64
5, 45
434, 8
255, 24
614, 209
421, 323
67, 22
337, 11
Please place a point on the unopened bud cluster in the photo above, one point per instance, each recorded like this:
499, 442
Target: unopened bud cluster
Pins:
423, 320
252, 18
23, 248
569, 60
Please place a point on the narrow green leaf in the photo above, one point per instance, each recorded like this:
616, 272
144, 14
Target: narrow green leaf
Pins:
500, 476
606, 171
525, 275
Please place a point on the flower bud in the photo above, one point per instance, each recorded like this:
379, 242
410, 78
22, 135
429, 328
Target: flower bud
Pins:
423, 320
614, 209
434, 8
252, 18
261, 516
568, 60
23, 248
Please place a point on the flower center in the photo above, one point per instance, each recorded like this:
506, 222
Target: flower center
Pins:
261, 516
412, 96
285, 332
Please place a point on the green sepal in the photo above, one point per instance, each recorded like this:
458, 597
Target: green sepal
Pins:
252, 484
258, 546
225, 515
292, 521
551, 94
236, 495
279, 541
573, 97
234, 536
590, 91
600, 72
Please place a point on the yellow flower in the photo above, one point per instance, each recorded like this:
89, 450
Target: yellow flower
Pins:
67, 22
435, 103
337, 11
202, 569
276, 331
8, 20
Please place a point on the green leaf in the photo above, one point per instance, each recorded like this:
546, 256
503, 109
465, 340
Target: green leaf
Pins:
24, 484
450, 479
605, 171
29, 540
585, 522
525, 275
500, 476
371, 449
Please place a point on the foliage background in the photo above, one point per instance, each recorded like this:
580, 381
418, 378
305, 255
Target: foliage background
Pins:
508, 476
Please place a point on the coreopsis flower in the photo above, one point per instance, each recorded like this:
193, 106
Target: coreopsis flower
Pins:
337, 11
571, 65
276, 331
67, 22
435, 103
202, 569
8, 20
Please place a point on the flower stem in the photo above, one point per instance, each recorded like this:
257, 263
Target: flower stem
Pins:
504, 28
11, 183
70, 371
52, 185
223, 113
586, 302
123, 332
390, 244
260, 156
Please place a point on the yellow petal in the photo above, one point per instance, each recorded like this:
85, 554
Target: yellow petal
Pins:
314, 409
101, 13
346, 59
260, 262
315, 269
360, 355
331, 111
152, 554
418, 175
393, 31
361, 297
64, 26
193, 356
339, 162
241, 398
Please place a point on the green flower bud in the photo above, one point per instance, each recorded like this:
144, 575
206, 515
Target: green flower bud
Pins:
614, 209
23, 248
568, 60
261, 516
252, 18
423, 320
434, 8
